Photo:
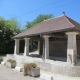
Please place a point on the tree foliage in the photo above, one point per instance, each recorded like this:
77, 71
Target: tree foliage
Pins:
38, 19
8, 28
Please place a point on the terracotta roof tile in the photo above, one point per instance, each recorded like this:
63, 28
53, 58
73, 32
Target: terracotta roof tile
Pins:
50, 25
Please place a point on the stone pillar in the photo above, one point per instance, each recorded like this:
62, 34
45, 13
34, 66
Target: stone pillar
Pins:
38, 47
71, 48
26, 49
46, 45
43, 52
16, 48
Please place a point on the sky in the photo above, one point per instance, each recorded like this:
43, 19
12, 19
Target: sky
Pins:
28, 10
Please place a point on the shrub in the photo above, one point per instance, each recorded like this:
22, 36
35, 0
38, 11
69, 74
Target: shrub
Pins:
11, 61
27, 67
1, 58
33, 65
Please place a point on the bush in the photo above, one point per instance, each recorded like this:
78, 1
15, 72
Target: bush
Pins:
1, 58
27, 67
33, 65
11, 61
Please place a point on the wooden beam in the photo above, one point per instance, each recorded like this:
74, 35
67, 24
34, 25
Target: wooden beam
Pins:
36, 39
56, 36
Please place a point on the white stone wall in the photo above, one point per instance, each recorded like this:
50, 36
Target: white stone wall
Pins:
57, 67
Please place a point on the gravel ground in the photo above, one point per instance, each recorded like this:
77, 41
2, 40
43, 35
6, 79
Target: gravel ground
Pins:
9, 74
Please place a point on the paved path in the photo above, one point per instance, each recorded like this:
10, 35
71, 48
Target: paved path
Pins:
9, 74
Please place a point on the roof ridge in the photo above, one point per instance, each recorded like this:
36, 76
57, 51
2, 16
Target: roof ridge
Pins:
73, 20
53, 18
69, 20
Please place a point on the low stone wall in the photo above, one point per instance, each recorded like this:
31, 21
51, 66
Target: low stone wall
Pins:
10, 56
73, 71
57, 67
60, 68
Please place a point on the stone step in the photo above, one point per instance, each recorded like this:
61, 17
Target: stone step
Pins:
46, 77
20, 69
3, 63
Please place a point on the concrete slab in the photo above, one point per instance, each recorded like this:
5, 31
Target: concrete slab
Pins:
20, 69
3, 63
46, 77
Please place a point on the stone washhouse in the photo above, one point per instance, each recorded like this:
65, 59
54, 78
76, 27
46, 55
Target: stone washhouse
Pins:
58, 38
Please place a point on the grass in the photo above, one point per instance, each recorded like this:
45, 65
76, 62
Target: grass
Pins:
1, 58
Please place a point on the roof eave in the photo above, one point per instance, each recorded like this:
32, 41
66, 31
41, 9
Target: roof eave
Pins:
43, 33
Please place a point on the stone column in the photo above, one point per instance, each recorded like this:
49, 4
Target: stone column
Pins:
26, 49
46, 45
38, 47
71, 48
16, 48
43, 52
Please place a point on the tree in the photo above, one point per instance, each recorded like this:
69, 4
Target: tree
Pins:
8, 28
14, 25
38, 19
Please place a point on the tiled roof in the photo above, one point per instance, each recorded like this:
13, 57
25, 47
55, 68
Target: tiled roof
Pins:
51, 25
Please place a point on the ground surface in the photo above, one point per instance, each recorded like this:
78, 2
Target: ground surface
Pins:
59, 77
9, 74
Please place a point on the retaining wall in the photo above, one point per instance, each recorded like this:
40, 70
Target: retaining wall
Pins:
57, 67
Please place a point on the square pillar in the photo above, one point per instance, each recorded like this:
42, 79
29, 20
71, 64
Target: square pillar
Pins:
38, 47
16, 48
26, 49
71, 48
43, 52
46, 47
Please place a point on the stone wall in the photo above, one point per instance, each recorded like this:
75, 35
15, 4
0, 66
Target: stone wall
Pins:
57, 67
